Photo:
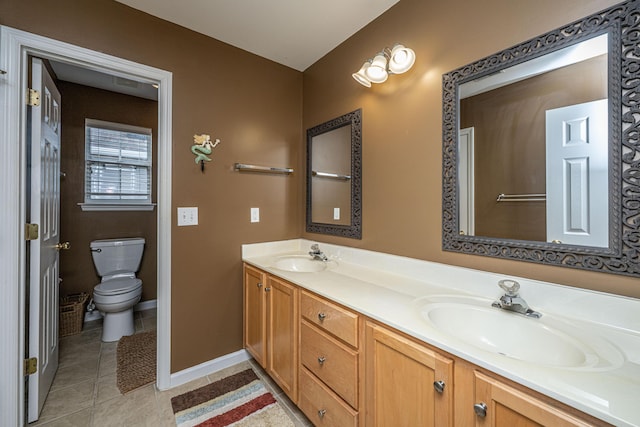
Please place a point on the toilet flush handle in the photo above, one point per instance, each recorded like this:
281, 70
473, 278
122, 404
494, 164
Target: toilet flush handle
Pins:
96, 250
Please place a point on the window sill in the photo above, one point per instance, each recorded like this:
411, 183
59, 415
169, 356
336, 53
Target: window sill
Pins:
115, 207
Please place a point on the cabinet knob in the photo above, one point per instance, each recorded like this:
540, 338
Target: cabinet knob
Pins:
439, 386
480, 409
321, 360
321, 412
267, 289
259, 285
321, 316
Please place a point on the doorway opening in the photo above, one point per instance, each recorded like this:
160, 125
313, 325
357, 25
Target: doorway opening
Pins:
16, 47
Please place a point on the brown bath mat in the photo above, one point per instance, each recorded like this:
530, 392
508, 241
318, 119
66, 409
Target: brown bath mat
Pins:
136, 356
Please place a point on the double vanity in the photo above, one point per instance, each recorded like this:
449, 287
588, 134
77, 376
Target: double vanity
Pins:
356, 337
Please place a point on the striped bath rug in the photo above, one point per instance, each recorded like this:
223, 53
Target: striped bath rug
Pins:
239, 400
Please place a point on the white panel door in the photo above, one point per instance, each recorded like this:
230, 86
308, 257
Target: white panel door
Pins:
45, 211
466, 179
577, 174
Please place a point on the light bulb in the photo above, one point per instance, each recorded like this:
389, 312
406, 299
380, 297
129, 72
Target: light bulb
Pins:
402, 59
377, 71
361, 76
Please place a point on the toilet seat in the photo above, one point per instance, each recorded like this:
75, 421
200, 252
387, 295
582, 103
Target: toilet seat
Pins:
118, 286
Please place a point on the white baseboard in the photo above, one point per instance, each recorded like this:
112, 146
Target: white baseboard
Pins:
146, 305
207, 368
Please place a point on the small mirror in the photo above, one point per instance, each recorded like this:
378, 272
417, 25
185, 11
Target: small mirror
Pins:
334, 176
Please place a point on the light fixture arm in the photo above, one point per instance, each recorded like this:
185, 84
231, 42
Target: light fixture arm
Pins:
395, 60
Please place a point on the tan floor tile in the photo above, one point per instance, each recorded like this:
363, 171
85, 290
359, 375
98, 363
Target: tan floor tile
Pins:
137, 408
75, 373
76, 353
108, 364
149, 323
107, 388
77, 419
68, 400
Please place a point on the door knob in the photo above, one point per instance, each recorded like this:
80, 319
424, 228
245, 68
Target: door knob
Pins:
63, 246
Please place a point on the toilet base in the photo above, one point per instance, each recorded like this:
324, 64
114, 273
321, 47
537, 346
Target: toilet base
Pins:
117, 325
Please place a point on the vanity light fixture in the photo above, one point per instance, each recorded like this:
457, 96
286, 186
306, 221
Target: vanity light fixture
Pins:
396, 60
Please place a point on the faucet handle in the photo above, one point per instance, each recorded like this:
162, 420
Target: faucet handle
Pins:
315, 247
511, 287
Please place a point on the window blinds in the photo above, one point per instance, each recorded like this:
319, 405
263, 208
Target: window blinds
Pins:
118, 163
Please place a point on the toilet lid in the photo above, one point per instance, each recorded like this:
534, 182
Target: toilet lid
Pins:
118, 286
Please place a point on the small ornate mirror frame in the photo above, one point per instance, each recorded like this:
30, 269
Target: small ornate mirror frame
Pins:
354, 229
622, 24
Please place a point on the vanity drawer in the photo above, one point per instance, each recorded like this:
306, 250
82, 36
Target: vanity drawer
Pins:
332, 362
321, 405
334, 319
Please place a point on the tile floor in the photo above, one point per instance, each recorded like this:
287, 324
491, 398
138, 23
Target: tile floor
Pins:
84, 391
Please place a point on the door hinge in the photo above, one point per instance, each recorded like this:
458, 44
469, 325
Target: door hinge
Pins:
30, 366
33, 98
31, 232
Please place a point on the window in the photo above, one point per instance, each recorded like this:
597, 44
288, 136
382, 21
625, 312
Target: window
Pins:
117, 167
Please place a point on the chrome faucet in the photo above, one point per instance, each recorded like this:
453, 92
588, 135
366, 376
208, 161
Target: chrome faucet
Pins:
512, 301
317, 254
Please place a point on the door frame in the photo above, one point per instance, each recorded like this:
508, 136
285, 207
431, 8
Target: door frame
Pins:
15, 46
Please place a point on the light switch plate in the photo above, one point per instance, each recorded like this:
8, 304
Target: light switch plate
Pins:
255, 214
336, 213
187, 216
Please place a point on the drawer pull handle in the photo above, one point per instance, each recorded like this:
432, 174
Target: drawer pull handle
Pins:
321, 360
321, 316
439, 386
321, 413
480, 409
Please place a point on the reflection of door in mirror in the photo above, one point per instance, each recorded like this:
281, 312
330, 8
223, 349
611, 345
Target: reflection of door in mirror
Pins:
331, 177
509, 156
466, 178
577, 178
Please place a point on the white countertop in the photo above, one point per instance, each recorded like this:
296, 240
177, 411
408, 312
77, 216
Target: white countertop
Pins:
393, 289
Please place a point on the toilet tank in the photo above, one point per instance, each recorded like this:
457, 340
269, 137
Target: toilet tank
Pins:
117, 255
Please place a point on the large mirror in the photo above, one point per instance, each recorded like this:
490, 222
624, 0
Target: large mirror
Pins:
541, 153
334, 163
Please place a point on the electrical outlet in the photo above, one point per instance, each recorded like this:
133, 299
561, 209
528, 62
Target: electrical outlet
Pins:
255, 214
187, 216
336, 213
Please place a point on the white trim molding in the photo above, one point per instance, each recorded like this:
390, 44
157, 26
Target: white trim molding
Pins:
207, 368
15, 46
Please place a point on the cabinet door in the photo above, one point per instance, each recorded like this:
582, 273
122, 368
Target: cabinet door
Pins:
502, 405
399, 382
282, 333
255, 331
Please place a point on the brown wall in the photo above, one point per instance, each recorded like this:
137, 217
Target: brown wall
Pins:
253, 105
80, 228
510, 151
402, 121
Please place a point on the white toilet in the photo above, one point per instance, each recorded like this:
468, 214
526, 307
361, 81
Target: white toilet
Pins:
117, 261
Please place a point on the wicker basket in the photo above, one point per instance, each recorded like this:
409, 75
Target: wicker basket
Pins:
72, 313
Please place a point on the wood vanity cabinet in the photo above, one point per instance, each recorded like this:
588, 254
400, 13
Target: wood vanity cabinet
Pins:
498, 404
329, 362
343, 369
407, 384
271, 327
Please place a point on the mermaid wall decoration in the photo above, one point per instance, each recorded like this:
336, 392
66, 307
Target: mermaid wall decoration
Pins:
202, 148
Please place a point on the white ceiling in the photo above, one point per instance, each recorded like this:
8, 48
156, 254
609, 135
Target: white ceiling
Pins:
295, 33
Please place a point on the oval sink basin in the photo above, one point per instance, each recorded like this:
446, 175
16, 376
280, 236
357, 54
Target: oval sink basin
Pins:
300, 264
546, 341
